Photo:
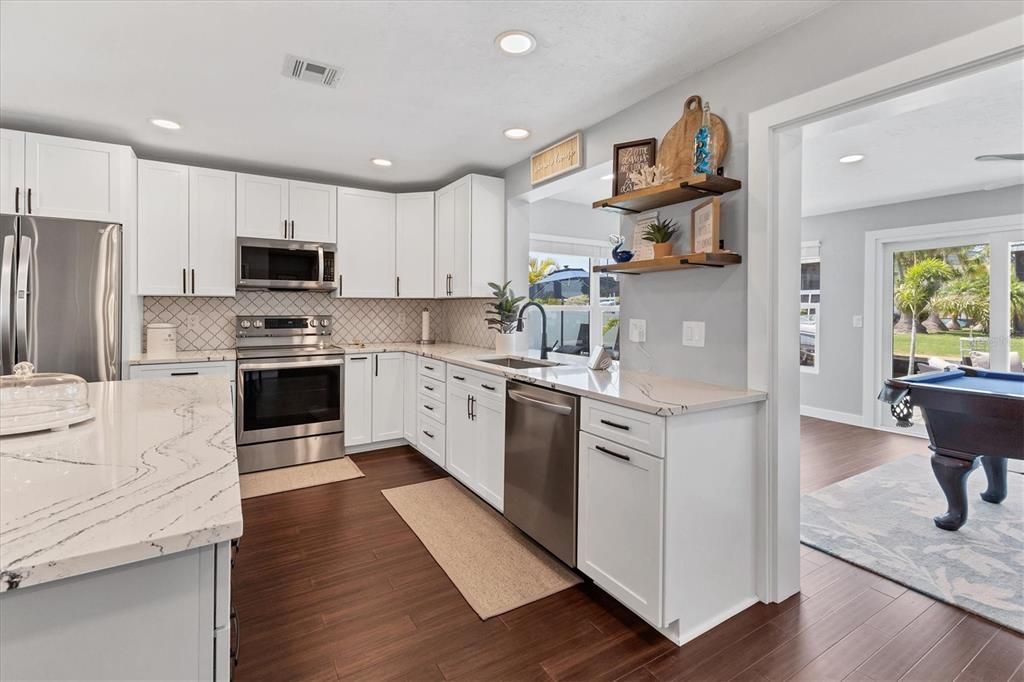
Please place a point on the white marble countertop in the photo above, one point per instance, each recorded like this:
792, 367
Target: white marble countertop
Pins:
154, 473
216, 355
637, 390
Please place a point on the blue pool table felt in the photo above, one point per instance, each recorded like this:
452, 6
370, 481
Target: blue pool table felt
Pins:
998, 383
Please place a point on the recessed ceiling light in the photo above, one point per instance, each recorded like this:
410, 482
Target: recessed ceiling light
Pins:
516, 42
517, 133
165, 123
380, 162
851, 158
608, 177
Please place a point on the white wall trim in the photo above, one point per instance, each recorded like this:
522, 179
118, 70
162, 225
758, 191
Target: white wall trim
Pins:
603, 243
774, 252
875, 242
832, 415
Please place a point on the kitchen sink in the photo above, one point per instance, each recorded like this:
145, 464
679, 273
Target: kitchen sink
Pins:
519, 363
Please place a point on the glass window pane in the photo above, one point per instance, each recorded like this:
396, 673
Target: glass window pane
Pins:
1016, 306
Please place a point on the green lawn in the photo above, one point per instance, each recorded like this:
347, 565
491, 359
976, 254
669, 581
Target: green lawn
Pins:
943, 344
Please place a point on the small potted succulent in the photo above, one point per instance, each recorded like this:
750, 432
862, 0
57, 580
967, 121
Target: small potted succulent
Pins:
504, 312
660, 233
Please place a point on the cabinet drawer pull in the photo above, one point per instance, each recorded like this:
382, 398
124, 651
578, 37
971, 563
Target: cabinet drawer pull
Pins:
429, 388
487, 386
17, 197
193, 280
30, 200
236, 645
354, 359
456, 376
428, 367
609, 452
428, 407
614, 425
184, 374
428, 434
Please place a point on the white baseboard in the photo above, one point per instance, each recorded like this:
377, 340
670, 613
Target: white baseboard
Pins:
833, 415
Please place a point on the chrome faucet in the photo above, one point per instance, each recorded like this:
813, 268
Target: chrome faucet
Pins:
544, 326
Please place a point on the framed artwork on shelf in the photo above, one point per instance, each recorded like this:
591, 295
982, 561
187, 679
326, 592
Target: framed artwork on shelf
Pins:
704, 223
643, 249
629, 157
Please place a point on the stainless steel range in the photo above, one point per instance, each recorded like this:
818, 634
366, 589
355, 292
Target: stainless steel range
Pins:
290, 392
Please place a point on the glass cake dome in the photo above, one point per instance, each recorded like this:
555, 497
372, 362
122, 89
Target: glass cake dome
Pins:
38, 402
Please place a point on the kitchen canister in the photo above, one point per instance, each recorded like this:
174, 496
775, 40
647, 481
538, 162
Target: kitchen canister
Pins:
161, 340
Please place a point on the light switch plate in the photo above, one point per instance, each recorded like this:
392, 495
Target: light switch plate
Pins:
858, 321
693, 334
638, 331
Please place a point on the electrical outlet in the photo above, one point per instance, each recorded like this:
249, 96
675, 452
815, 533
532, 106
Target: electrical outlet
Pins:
693, 334
638, 331
402, 318
858, 321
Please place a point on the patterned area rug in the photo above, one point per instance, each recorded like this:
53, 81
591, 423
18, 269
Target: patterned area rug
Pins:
882, 520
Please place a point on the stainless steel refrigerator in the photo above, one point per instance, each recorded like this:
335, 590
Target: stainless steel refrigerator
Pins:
60, 296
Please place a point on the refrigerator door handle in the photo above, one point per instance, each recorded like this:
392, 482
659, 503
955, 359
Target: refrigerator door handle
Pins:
21, 294
6, 279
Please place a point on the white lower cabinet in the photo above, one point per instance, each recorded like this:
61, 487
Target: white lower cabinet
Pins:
388, 398
171, 370
621, 517
358, 399
430, 439
460, 460
409, 394
475, 423
154, 619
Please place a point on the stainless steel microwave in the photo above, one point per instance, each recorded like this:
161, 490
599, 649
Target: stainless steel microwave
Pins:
285, 264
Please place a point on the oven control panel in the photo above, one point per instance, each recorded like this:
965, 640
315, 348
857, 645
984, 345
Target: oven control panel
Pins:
255, 326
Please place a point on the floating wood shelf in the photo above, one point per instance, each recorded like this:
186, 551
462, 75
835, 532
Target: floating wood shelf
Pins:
719, 259
675, 192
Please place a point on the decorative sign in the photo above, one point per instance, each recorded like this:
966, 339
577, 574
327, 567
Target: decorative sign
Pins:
557, 159
704, 226
628, 158
643, 249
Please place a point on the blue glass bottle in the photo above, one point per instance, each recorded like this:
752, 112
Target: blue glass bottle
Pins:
702, 145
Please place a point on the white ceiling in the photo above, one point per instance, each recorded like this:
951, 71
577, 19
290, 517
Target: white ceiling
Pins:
918, 145
423, 83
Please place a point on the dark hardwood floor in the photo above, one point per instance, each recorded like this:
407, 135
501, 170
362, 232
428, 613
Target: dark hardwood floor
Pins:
330, 583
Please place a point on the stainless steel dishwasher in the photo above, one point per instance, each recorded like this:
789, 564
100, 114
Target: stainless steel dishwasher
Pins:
541, 436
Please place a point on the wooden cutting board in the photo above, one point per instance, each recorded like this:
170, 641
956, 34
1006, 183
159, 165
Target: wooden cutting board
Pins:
676, 151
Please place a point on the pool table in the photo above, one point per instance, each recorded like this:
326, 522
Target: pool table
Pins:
971, 415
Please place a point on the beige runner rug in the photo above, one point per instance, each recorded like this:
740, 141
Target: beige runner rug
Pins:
273, 481
493, 565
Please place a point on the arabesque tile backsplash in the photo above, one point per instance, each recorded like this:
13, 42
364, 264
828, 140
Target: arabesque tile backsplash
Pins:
208, 323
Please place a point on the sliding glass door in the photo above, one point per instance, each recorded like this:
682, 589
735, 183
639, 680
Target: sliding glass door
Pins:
956, 300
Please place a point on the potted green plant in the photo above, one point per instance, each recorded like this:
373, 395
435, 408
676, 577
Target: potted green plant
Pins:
660, 233
504, 313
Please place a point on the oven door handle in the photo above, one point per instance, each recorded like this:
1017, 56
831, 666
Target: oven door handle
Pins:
257, 366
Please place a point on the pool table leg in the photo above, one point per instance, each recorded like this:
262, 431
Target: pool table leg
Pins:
995, 471
952, 473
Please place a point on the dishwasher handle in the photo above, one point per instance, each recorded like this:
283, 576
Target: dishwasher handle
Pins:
540, 404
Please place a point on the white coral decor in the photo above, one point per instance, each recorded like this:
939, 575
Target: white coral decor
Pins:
648, 176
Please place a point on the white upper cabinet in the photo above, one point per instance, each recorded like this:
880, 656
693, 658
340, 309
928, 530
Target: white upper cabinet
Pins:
312, 212
470, 236
262, 207
186, 230
12, 171
211, 201
60, 177
414, 247
163, 229
388, 396
366, 244
444, 244
274, 208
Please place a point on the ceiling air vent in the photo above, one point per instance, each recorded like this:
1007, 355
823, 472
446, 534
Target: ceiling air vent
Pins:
308, 71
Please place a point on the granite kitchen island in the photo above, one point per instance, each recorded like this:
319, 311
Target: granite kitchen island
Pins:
115, 537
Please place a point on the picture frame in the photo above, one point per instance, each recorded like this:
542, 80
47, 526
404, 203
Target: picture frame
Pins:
704, 226
628, 157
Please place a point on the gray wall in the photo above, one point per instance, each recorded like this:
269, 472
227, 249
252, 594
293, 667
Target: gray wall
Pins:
838, 385
567, 219
838, 42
